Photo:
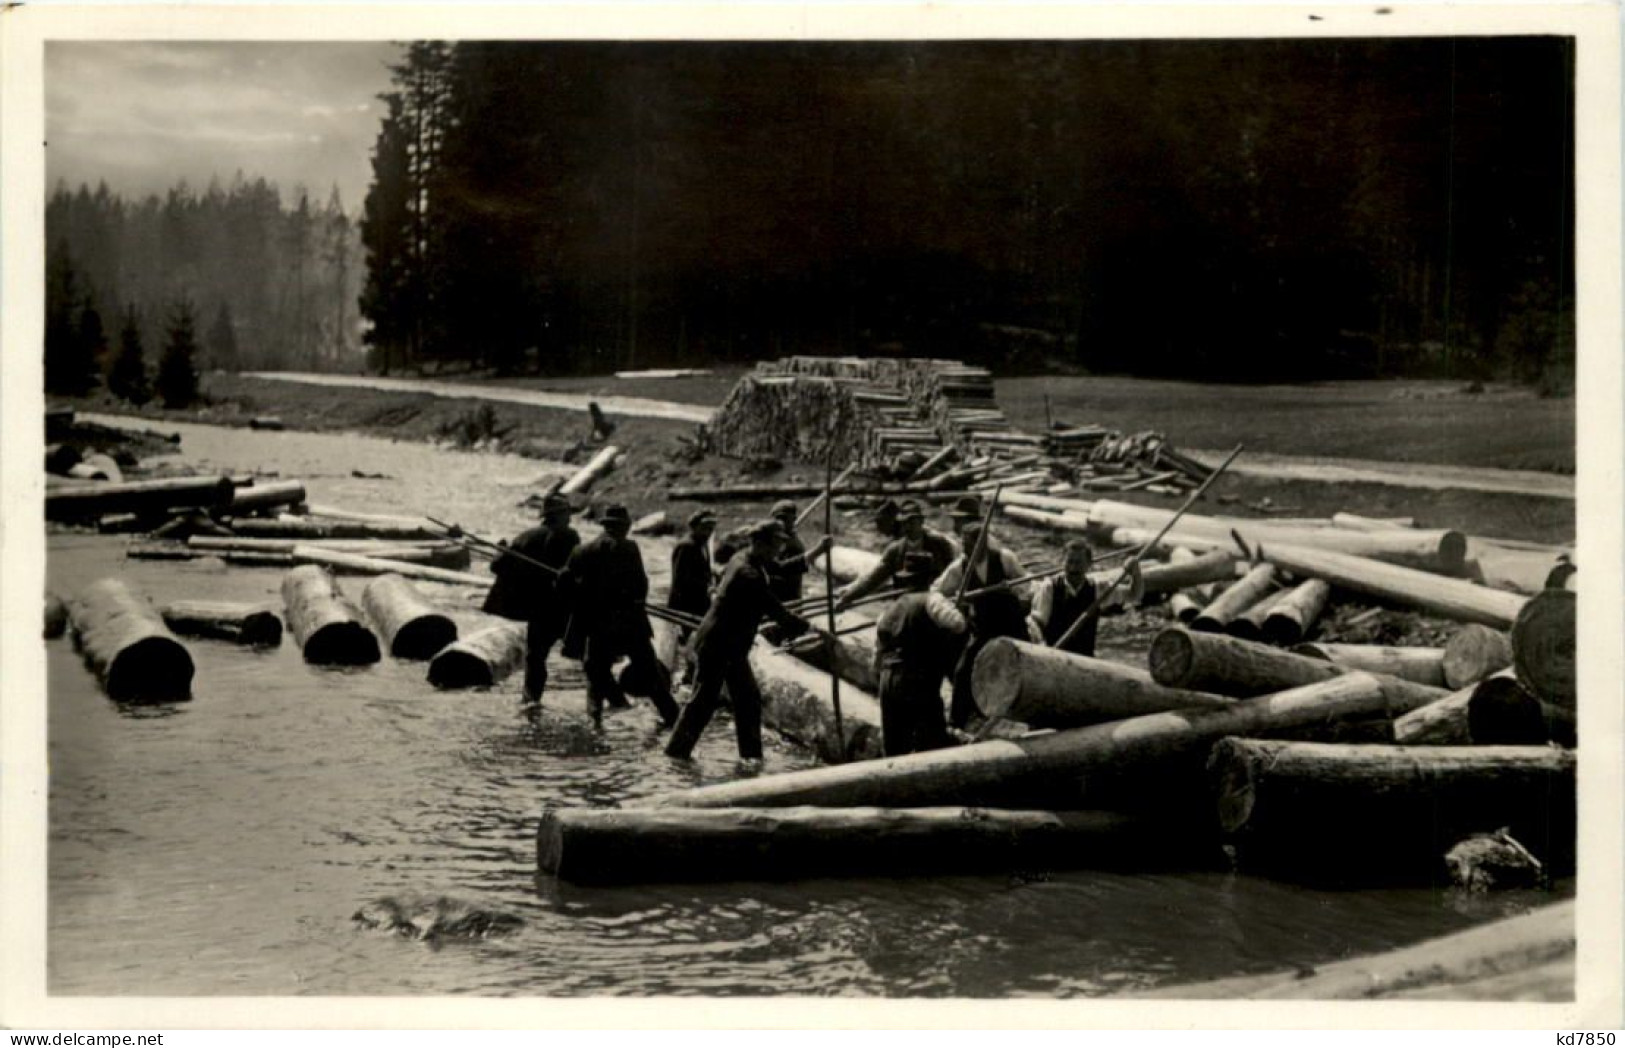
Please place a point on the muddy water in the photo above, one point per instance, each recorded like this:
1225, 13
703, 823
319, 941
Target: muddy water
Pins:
221, 846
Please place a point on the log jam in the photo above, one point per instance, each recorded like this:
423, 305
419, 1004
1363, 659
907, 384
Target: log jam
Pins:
328, 628
126, 644
483, 659
411, 626
253, 625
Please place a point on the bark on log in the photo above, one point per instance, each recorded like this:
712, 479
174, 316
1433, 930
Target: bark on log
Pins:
1422, 665
1291, 620
1473, 653
1359, 813
663, 845
1236, 598
854, 660
251, 624
1543, 647
318, 530
1249, 625
1496, 711
588, 475
56, 616
482, 659
257, 497
379, 566
327, 626
412, 627
1355, 522
796, 703
1213, 566
1047, 688
126, 644
1056, 764
1447, 598
1519, 570
1222, 665
144, 497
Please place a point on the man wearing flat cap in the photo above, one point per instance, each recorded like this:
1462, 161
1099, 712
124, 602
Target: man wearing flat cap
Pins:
607, 580
691, 566
722, 646
910, 561
789, 567
531, 594
995, 605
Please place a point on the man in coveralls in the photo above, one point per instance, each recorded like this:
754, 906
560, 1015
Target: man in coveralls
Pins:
531, 594
722, 646
915, 645
607, 580
1000, 613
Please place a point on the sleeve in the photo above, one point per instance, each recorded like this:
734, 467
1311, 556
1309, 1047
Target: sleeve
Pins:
788, 620
947, 583
870, 580
943, 613
1044, 601
1014, 569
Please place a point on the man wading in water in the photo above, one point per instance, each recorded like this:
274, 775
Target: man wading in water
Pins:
531, 594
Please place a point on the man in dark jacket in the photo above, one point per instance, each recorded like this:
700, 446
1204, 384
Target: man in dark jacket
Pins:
998, 610
531, 594
691, 567
609, 587
916, 644
722, 646
789, 567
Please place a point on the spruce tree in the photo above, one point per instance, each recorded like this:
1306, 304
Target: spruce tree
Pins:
177, 371
127, 378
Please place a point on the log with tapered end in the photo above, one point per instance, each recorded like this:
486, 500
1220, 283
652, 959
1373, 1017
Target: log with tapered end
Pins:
1473, 653
411, 626
1249, 625
253, 625
1222, 665
1056, 764
126, 644
1353, 814
796, 703
1047, 688
1543, 647
326, 625
1452, 599
1290, 620
1422, 665
483, 659
1236, 598
1213, 566
257, 498
1496, 711
660, 845
142, 497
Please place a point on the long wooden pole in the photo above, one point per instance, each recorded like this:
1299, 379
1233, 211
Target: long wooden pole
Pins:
973, 555
824, 498
829, 600
457, 532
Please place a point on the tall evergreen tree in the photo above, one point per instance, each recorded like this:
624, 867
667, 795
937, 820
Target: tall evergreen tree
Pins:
385, 235
222, 341
127, 378
70, 344
177, 383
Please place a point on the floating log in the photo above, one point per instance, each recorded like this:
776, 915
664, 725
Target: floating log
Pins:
588, 475
250, 624
1061, 763
127, 645
1291, 619
1473, 653
1047, 688
1447, 598
848, 563
1422, 665
412, 627
255, 498
1236, 598
361, 565
1356, 813
650, 845
142, 497
1213, 566
1493, 862
286, 527
1543, 647
1496, 711
796, 703
482, 659
339, 513
1221, 665
327, 626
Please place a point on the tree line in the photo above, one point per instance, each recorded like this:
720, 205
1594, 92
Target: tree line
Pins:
1212, 209
243, 279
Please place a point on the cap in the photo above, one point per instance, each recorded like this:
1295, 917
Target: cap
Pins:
968, 506
910, 508
699, 517
783, 508
766, 527
615, 514
555, 503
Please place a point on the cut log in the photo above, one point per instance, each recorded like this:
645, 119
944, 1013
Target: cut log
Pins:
256, 498
379, 566
1447, 598
1519, 570
412, 627
1249, 625
1043, 518
339, 513
1355, 522
142, 497
1289, 621
658, 845
1496, 711
251, 624
96, 466
327, 626
319, 530
796, 703
1473, 653
266, 422
1222, 665
1184, 606
597, 467
1213, 566
418, 551
1422, 665
1047, 688
126, 644
1236, 598
482, 659
1056, 764
1543, 647
56, 616
854, 660
1357, 813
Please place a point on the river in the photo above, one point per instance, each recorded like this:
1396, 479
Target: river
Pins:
221, 846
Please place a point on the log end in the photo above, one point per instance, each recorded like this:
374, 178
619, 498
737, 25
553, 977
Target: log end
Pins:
342, 644
56, 616
423, 638
153, 669
1283, 631
1453, 553
454, 669
550, 844
1171, 658
1502, 713
262, 629
996, 678
1543, 647
1231, 766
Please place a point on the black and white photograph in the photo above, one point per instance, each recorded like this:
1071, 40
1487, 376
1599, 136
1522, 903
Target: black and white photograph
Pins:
1088, 509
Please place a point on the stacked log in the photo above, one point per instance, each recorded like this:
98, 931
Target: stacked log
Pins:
1047, 688
1422, 665
1447, 598
126, 644
789, 417
1473, 653
1249, 625
1543, 638
1291, 620
1235, 599
1213, 566
328, 628
482, 659
412, 627
1496, 711
140, 497
1231, 666
251, 625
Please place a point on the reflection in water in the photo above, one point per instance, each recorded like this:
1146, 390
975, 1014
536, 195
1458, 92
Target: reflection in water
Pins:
221, 846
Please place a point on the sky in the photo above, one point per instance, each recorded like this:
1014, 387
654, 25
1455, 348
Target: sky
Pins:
143, 116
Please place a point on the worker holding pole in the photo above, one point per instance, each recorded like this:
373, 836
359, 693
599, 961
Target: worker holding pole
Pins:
996, 610
525, 588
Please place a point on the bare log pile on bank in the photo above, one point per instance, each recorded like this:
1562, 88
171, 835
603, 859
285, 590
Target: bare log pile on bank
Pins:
328, 628
125, 643
1360, 813
1235, 599
412, 627
252, 625
641, 846
483, 659
1453, 599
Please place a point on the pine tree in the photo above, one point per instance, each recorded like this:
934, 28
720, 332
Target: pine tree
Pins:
127, 378
223, 340
71, 343
177, 371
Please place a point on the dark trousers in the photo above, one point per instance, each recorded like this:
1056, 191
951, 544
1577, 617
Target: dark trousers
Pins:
911, 719
711, 675
602, 686
540, 636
